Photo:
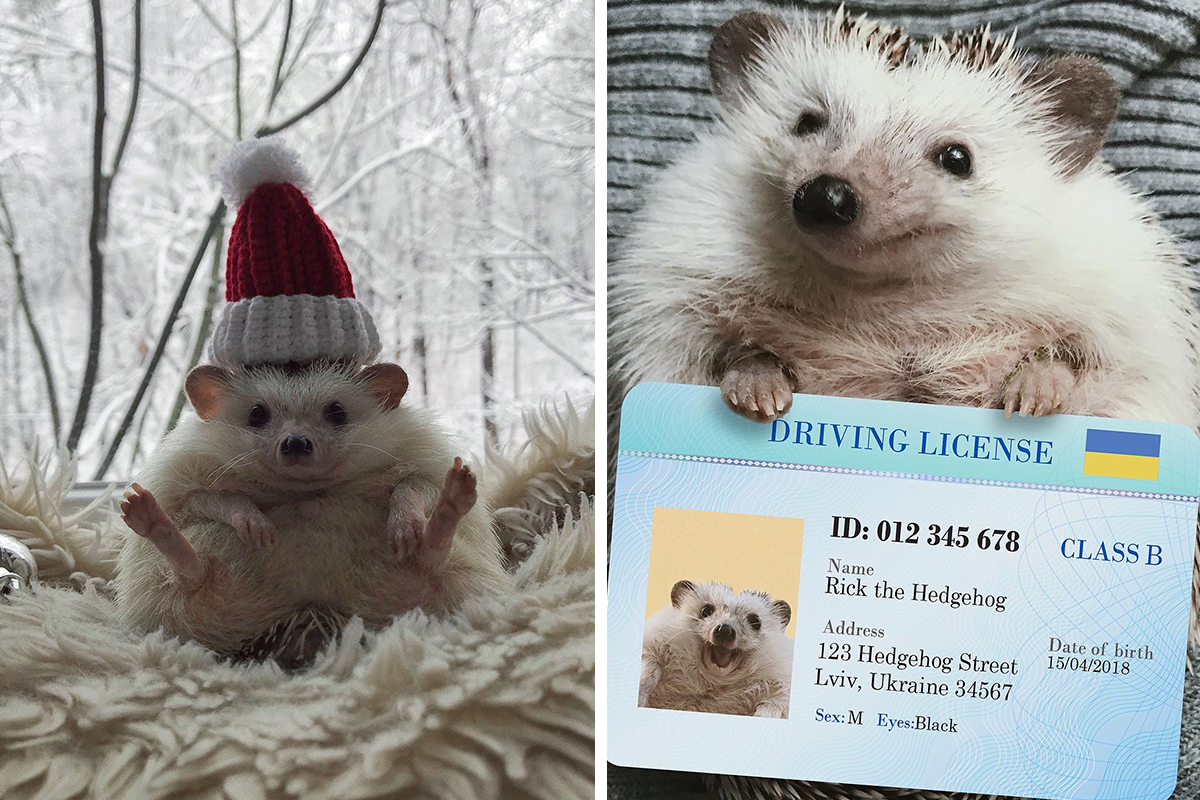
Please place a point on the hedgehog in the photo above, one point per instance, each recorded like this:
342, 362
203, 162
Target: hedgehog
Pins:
305, 491
718, 651
877, 217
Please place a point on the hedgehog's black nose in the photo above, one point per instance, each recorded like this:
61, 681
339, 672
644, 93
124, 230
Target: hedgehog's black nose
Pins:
295, 445
724, 633
826, 199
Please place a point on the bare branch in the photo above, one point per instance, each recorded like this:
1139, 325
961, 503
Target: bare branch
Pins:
545, 340
475, 138
260, 26
237, 69
555, 138
554, 58
133, 90
577, 107
206, 318
313, 19
122, 67
276, 84
387, 110
383, 160
523, 324
583, 286
267, 130
212, 19
95, 235
214, 222
8, 232
332, 151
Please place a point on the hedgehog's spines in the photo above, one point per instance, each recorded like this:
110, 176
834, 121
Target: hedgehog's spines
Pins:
977, 49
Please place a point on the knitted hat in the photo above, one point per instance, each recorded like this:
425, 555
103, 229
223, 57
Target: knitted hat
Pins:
289, 293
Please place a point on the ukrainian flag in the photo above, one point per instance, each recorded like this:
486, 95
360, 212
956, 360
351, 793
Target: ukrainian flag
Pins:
1121, 454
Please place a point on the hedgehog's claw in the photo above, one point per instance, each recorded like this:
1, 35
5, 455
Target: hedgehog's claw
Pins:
757, 388
1038, 386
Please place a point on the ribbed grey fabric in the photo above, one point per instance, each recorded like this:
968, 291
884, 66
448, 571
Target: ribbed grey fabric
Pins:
658, 97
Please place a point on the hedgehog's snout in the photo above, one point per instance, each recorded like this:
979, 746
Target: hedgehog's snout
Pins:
724, 634
295, 446
825, 200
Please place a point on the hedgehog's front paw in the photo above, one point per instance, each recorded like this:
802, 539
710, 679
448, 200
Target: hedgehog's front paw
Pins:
253, 528
757, 388
1040, 385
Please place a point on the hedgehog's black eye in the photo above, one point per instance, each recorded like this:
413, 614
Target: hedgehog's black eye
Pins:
706, 610
955, 159
335, 413
754, 621
259, 416
809, 122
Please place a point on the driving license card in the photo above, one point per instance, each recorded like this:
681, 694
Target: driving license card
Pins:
895, 594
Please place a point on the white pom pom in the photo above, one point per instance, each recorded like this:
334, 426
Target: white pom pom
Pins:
257, 161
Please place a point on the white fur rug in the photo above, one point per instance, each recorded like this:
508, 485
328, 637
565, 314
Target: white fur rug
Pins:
495, 701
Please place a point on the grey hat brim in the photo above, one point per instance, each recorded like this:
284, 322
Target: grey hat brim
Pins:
299, 328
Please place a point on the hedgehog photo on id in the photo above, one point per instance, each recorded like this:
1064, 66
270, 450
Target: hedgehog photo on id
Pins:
304, 491
718, 651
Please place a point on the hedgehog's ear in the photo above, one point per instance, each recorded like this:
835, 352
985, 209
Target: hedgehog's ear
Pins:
387, 384
681, 590
735, 47
1083, 100
782, 610
207, 387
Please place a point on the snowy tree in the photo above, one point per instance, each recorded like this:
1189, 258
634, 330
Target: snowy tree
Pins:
450, 143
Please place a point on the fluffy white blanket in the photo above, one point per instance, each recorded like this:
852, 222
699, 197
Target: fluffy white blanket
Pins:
495, 701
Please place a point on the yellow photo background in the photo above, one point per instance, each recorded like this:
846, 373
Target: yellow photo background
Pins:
745, 551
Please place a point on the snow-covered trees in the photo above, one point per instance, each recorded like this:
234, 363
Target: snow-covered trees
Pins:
451, 146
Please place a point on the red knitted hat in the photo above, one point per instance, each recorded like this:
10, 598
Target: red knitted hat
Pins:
289, 291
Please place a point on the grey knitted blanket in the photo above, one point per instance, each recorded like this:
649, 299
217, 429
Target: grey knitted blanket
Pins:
658, 97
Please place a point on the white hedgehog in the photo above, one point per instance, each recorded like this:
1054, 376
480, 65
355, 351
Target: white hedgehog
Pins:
298, 488
716, 651
303, 492
873, 217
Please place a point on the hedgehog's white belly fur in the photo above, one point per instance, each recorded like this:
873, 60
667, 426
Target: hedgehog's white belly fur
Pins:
334, 550
336, 555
